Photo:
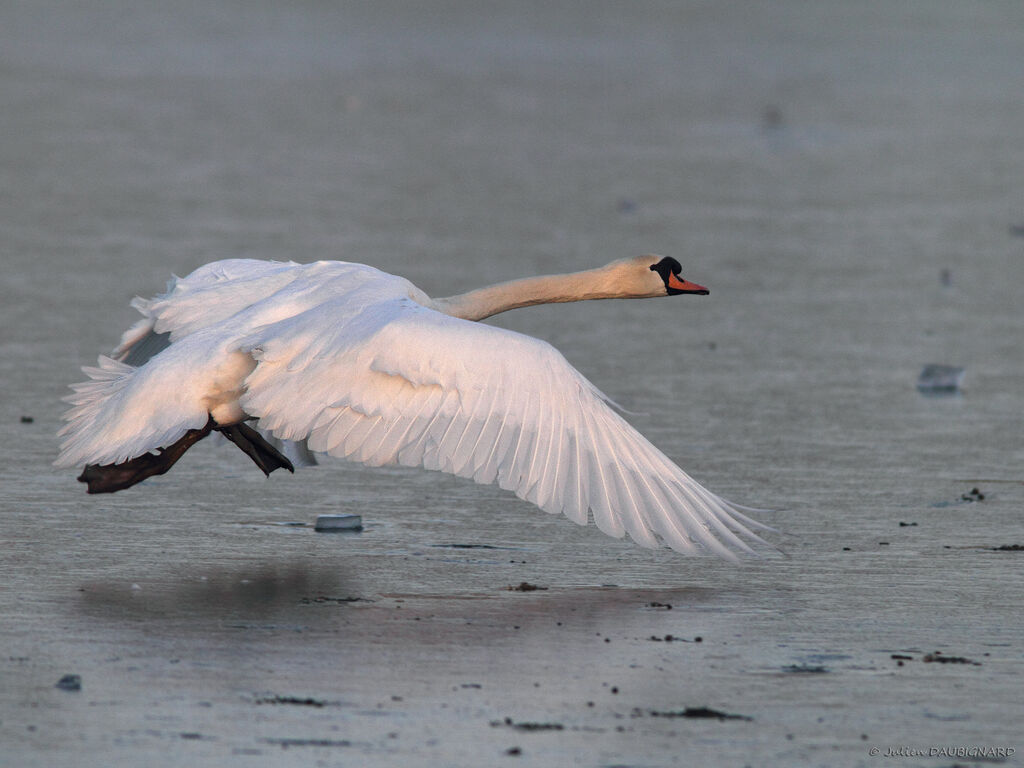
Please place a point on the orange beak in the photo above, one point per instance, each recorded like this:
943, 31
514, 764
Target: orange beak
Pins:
685, 286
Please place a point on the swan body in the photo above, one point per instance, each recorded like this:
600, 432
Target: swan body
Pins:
360, 364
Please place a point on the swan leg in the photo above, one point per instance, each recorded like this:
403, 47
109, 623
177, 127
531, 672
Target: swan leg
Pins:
263, 454
110, 478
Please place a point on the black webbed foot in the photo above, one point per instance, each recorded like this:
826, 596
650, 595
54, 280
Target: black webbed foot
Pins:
110, 478
263, 454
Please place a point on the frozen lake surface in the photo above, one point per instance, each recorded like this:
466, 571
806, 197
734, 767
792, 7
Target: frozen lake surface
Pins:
846, 178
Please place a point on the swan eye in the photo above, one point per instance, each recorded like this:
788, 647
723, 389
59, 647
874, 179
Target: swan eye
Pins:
666, 267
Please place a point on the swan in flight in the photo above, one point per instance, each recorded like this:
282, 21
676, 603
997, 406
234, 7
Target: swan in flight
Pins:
354, 362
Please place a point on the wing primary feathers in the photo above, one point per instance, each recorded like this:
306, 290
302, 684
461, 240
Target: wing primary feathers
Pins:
559, 447
689, 502
601, 499
624, 501
479, 447
410, 454
508, 430
723, 521
373, 436
335, 431
718, 511
479, 412
357, 436
400, 435
513, 476
541, 445
539, 491
453, 435
579, 495
431, 458
683, 516
713, 521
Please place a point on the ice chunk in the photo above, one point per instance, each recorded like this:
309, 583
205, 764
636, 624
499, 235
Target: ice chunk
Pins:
70, 683
940, 379
339, 523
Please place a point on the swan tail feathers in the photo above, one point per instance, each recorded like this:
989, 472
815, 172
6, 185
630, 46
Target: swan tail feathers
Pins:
123, 412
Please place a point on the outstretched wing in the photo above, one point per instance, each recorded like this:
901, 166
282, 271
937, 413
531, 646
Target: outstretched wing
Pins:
404, 384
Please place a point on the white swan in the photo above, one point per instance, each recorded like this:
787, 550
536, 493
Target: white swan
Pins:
364, 365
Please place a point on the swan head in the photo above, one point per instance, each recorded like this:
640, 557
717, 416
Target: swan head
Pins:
650, 276
668, 270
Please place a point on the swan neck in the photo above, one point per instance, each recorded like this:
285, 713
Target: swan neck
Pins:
550, 289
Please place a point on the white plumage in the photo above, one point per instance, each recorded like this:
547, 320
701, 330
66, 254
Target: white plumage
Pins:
363, 365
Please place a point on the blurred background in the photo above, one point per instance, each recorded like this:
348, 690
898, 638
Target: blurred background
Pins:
845, 177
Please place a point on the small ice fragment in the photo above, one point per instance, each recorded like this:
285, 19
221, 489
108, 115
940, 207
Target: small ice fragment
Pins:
937, 378
339, 523
69, 683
